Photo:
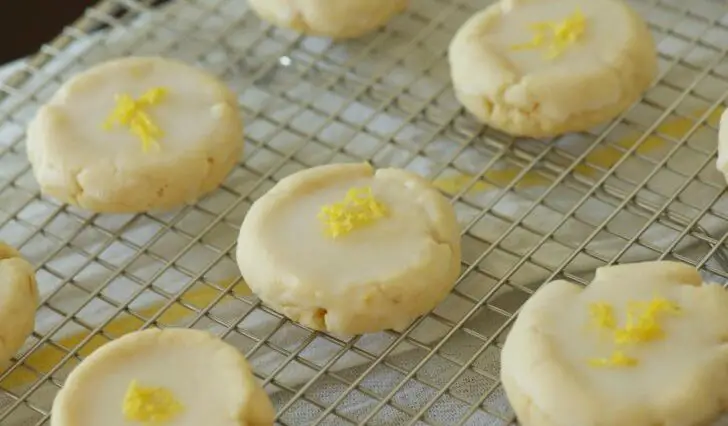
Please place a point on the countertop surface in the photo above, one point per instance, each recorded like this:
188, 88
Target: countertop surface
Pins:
30, 23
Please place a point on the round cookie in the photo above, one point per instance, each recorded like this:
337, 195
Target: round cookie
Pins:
540, 68
338, 19
343, 249
179, 377
18, 302
135, 134
647, 340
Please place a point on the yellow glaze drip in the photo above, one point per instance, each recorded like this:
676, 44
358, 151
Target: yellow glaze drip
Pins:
359, 208
150, 406
603, 157
641, 326
555, 37
454, 184
133, 114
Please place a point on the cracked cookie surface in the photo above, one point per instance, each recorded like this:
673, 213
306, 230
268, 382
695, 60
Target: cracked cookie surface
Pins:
345, 249
541, 68
135, 134
18, 302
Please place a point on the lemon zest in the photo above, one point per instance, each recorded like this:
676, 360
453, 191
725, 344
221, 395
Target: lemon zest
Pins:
555, 36
134, 115
150, 405
616, 359
358, 208
643, 325
603, 315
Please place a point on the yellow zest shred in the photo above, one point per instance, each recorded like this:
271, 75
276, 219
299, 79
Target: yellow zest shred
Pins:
643, 321
603, 315
617, 359
641, 326
150, 405
557, 36
133, 114
359, 208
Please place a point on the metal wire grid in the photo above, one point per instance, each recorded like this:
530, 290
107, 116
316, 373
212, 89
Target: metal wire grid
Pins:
527, 207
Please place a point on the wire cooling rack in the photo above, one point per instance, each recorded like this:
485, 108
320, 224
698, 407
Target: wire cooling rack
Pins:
641, 187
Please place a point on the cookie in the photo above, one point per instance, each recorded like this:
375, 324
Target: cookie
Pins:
178, 377
647, 340
345, 249
722, 162
18, 302
135, 134
541, 68
338, 19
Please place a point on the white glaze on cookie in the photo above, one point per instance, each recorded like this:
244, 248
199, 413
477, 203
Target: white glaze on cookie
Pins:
599, 43
398, 241
378, 276
527, 92
208, 381
80, 159
190, 111
674, 380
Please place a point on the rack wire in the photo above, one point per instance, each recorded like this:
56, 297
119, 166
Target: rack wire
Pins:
639, 188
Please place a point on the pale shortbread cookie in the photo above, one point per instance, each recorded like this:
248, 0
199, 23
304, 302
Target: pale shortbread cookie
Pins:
347, 250
540, 68
18, 302
574, 357
337, 19
179, 377
722, 162
182, 136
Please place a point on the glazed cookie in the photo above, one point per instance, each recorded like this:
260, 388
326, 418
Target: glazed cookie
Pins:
135, 134
540, 68
178, 377
647, 340
18, 302
343, 249
337, 19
